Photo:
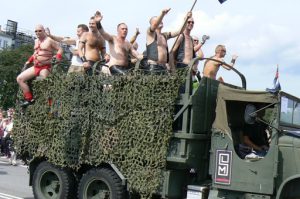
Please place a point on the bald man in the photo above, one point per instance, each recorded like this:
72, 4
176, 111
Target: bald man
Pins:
211, 68
44, 50
119, 47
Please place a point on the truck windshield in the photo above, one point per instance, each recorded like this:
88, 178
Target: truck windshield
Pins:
290, 111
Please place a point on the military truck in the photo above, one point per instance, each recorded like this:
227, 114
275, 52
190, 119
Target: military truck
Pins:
137, 136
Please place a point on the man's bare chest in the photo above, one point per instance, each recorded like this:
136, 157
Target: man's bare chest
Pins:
161, 40
93, 41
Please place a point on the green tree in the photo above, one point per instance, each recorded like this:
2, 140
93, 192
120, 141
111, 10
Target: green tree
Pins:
11, 63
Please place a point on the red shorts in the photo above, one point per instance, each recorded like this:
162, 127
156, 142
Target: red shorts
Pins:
37, 69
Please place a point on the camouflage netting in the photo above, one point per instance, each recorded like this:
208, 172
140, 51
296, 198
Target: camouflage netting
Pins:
81, 120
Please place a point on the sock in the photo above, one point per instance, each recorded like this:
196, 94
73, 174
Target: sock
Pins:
28, 96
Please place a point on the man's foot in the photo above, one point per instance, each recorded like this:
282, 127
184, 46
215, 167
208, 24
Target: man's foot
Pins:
27, 103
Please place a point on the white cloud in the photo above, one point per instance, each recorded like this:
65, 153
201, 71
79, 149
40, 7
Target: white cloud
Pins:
260, 44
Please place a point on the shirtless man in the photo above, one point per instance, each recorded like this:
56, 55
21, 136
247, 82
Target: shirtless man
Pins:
44, 49
185, 48
90, 44
157, 46
211, 68
119, 48
76, 63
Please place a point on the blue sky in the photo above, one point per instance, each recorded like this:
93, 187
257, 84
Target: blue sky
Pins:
263, 33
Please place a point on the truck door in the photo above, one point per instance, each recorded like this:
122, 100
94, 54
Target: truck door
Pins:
231, 172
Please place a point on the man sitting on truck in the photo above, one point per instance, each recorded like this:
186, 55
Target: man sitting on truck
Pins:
44, 48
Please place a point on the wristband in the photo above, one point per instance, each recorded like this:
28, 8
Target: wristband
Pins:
232, 61
58, 56
83, 59
31, 59
99, 26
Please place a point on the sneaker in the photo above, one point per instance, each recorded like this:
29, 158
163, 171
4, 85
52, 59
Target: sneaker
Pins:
14, 162
27, 103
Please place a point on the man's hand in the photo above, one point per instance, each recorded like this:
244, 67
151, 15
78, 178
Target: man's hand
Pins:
189, 15
234, 57
86, 65
98, 16
137, 31
204, 38
57, 59
165, 11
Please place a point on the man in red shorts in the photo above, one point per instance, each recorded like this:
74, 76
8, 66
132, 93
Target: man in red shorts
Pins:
44, 49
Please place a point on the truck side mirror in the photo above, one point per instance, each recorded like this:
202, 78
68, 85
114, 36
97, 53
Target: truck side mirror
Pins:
250, 114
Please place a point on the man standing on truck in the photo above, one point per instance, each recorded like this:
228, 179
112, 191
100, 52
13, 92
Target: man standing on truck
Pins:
211, 67
157, 46
90, 44
76, 63
186, 47
120, 48
44, 49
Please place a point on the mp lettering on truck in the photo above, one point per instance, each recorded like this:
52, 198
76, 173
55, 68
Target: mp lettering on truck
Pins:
223, 167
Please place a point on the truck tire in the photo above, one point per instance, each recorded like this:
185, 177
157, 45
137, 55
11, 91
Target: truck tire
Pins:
101, 183
52, 182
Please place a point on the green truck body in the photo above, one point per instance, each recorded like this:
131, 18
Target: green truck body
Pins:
181, 147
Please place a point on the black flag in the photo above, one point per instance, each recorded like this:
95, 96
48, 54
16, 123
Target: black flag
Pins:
222, 1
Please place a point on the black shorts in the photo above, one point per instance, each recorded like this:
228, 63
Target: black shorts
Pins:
181, 65
118, 70
157, 69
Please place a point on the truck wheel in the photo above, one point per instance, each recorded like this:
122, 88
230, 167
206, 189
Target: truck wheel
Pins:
51, 182
101, 183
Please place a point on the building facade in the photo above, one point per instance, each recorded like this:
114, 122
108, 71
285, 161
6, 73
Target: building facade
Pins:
6, 41
13, 37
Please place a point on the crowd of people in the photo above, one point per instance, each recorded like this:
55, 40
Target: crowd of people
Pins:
89, 49
6, 135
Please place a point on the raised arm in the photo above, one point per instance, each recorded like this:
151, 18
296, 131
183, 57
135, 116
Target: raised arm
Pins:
234, 57
105, 35
182, 27
155, 24
65, 40
134, 37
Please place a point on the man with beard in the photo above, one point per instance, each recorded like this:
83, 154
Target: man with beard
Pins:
186, 47
91, 44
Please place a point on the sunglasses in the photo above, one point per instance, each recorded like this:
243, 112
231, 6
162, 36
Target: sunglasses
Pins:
38, 31
190, 22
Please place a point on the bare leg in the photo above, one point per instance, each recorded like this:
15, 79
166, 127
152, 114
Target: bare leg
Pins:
23, 77
44, 73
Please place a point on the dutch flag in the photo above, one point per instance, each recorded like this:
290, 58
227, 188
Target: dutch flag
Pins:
276, 83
